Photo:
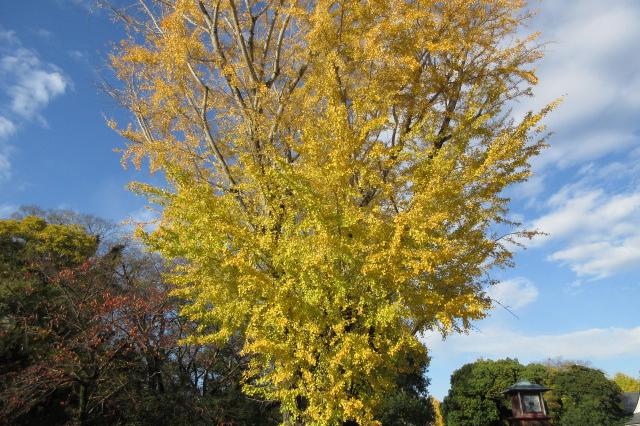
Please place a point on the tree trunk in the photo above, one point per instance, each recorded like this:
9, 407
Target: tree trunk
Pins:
83, 402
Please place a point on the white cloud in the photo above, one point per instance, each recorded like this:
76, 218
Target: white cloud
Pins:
495, 342
514, 294
586, 213
530, 189
600, 259
7, 128
592, 59
36, 90
29, 83
146, 217
77, 55
44, 33
5, 165
88, 5
594, 229
27, 86
7, 210
7, 36
566, 150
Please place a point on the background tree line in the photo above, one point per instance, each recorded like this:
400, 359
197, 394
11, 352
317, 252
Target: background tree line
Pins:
579, 395
90, 334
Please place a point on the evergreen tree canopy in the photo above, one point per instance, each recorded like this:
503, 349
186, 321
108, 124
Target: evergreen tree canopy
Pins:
579, 395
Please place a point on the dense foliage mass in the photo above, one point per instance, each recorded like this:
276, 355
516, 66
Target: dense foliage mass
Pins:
579, 395
334, 177
583, 395
475, 395
93, 338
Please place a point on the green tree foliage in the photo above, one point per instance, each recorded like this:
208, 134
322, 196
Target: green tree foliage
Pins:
585, 397
476, 396
579, 395
409, 404
30, 252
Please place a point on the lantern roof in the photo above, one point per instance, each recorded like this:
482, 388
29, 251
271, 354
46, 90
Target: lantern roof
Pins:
525, 386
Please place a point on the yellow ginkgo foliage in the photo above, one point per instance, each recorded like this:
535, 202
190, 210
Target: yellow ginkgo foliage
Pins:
335, 172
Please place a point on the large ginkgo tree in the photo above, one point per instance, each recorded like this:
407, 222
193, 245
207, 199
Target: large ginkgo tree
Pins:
335, 173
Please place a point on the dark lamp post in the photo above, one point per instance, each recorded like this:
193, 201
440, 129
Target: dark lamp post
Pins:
527, 404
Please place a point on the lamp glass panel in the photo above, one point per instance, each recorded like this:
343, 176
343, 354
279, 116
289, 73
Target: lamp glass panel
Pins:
531, 404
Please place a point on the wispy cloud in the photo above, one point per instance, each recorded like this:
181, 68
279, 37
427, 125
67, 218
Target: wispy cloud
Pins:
5, 164
27, 85
77, 55
592, 223
592, 59
44, 33
7, 128
514, 293
88, 5
589, 214
7, 210
496, 342
600, 259
146, 217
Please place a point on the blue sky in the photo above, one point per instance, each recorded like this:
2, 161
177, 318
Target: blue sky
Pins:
573, 294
